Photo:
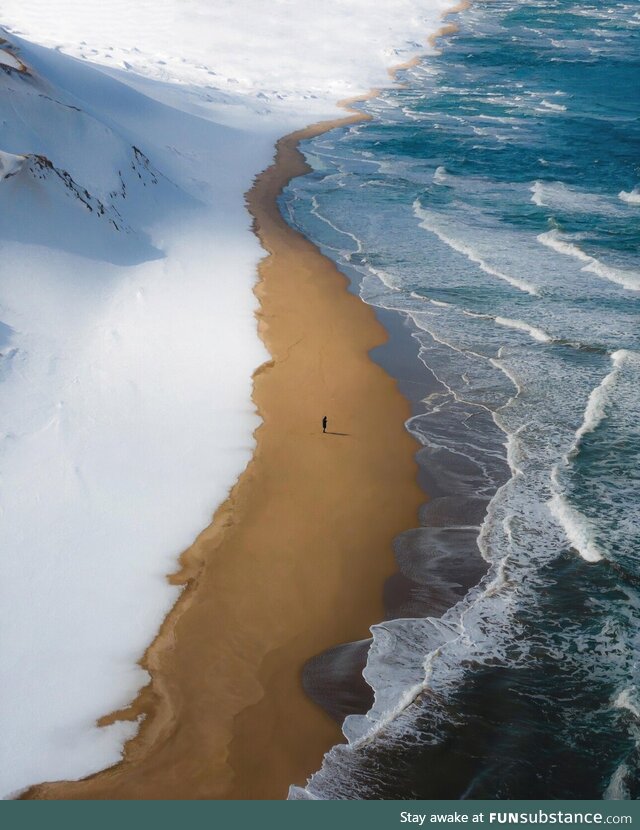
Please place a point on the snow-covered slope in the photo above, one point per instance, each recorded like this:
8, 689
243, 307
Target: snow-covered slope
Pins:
291, 55
127, 348
127, 331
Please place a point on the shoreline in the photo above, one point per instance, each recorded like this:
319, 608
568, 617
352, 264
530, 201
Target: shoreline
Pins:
331, 509
248, 673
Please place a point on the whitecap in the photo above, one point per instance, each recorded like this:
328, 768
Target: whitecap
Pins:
385, 277
537, 189
538, 334
627, 279
438, 303
595, 411
631, 197
440, 175
578, 528
562, 197
628, 699
552, 239
519, 325
426, 222
555, 107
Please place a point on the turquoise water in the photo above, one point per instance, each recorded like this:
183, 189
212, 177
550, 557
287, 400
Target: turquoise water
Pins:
494, 203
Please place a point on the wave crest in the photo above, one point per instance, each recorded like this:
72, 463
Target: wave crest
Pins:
561, 244
631, 197
427, 222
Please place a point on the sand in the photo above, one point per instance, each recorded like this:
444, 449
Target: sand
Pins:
294, 561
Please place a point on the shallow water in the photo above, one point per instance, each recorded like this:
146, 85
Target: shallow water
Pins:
493, 203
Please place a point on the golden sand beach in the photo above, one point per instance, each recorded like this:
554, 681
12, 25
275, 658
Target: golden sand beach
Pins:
296, 557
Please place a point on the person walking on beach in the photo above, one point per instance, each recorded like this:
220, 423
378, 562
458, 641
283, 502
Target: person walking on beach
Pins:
324, 424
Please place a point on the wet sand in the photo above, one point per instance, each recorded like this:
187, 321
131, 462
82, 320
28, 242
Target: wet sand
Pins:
294, 561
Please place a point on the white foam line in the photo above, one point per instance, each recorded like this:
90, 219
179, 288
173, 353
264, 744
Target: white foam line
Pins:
519, 325
554, 107
595, 411
471, 255
315, 210
535, 332
383, 276
378, 720
580, 530
437, 303
631, 197
464, 352
452, 626
627, 279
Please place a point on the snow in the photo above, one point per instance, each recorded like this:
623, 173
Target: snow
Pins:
310, 54
7, 59
10, 164
127, 329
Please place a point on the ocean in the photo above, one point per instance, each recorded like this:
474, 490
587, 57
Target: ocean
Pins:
489, 212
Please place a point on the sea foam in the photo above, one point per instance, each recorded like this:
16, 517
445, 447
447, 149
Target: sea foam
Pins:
558, 196
595, 411
440, 175
427, 221
579, 529
554, 107
537, 333
628, 699
631, 197
563, 245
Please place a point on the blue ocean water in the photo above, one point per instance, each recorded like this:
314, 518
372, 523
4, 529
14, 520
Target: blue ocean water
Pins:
493, 203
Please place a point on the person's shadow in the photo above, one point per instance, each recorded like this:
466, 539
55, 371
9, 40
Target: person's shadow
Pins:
328, 432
